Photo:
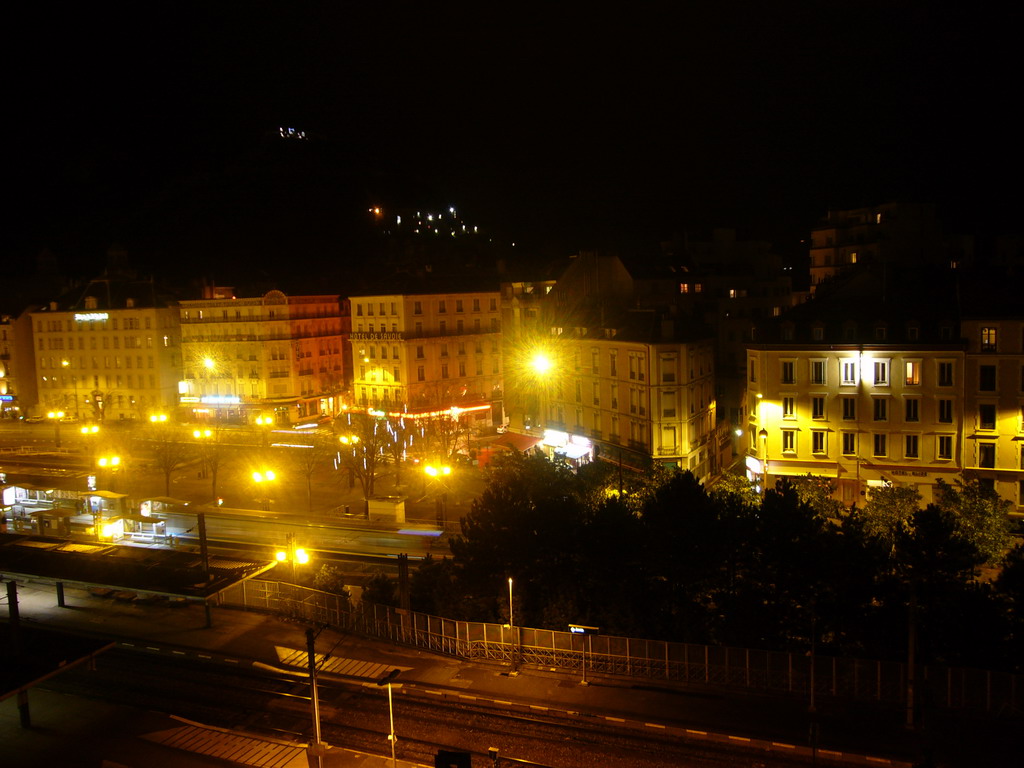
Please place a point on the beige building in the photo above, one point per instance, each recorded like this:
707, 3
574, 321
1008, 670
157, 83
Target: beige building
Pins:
622, 384
993, 440
836, 391
418, 352
249, 356
112, 351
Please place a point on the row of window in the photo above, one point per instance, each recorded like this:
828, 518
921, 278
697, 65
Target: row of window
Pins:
93, 363
131, 381
881, 445
124, 323
880, 372
108, 342
382, 308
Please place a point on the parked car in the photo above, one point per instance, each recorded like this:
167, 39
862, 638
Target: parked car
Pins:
34, 419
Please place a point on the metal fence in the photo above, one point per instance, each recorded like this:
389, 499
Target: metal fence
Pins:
977, 690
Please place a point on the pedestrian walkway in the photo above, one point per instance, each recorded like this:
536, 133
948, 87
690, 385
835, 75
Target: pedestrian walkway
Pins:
60, 723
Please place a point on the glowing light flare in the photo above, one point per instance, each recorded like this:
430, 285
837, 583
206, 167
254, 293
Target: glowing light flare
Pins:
301, 556
541, 363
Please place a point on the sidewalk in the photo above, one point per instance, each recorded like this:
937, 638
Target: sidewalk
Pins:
694, 713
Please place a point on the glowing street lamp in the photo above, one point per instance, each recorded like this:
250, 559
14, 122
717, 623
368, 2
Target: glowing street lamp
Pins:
111, 464
55, 417
292, 555
262, 479
158, 418
541, 363
437, 472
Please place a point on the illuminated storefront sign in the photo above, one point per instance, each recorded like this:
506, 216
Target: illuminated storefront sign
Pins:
82, 317
220, 399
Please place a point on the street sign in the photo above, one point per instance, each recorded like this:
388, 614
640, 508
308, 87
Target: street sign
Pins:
581, 629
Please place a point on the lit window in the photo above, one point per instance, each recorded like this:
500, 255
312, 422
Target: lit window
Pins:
988, 339
912, 372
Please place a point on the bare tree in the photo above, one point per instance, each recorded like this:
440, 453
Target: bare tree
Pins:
362, 441
314, 453
168, 449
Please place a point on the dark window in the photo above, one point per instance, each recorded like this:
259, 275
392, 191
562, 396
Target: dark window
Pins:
945, 374
911, 445
986, 416
849, 408
881, 409
987, 455
946, 411
817, 407
987, 378
912, 410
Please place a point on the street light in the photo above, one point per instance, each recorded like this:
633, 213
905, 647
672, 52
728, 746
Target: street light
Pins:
511, 626
66, 363
292, 554
386, 680
262, 478
763, 436
111, 464
55, 417
437, 472
87, 431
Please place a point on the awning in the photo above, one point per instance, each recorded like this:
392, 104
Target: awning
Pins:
573, 451
516, 441
106, 494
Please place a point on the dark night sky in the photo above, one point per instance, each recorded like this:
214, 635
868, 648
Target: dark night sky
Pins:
153, 125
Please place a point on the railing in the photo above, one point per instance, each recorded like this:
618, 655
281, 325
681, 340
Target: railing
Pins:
998, 693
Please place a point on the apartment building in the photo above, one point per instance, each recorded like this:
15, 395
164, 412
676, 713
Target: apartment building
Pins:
108, 351
870, 392
423, 350
994, 398
274, 353
626, 377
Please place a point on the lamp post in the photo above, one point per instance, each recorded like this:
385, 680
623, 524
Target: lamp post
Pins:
763, 436
66, 363
386, 680
511, 626
437, 472
262, 478
292, 554
55, 417
88, 433
264, 422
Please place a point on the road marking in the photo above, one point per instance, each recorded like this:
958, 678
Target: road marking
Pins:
699, 733
205, 656
614, 719
231, 661
151, 648
739, 738
178, 653
783, 746
654, 725
883, 760
467, 696
535, 706
436, 693
503, 702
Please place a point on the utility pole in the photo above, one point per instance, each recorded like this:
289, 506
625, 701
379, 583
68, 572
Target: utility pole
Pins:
317, 747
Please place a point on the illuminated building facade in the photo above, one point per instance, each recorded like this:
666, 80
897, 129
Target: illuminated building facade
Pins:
620, 383
870, 395
111, 351
272, 353
419, 352
17, 382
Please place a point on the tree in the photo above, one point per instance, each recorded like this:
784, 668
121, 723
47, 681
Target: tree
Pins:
381, 590
889, 513
168, 449
362, 440
526, 524
314, 453
982, 516
330, 579
212, 453
738, 487
819, 494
